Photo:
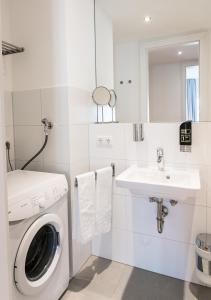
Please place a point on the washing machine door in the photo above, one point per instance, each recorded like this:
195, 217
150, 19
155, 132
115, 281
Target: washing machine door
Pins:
38, 254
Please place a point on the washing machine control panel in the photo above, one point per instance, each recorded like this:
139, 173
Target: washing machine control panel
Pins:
37, 201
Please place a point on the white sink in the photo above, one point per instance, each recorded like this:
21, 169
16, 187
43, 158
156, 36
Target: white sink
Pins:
171, 183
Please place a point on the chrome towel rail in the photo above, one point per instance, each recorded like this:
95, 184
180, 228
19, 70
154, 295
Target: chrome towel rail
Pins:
113, 174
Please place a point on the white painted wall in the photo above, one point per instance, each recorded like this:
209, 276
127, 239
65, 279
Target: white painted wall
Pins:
134, 239
7, 79
105, 52
127, 67
6, 36
39, 26
5, 280
104, 56
80, 38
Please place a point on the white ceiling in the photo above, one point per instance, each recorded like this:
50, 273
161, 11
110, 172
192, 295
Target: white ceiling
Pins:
169, 17
190, 52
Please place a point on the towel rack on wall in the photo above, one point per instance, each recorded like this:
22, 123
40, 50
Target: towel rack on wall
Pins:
8, 48
113, 174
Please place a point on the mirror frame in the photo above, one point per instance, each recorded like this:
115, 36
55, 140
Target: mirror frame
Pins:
204, 109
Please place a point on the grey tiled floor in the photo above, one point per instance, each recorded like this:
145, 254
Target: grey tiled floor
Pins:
102, 279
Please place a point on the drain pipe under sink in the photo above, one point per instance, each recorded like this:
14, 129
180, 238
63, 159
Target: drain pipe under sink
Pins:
162, 211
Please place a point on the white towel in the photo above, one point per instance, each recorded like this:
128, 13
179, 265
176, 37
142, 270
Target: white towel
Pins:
86, 206
103, 200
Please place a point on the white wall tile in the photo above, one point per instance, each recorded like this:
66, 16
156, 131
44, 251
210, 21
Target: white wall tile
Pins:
82, 108
155, 135
163, 256
157, 255
55, 168
80, 255
79, 167
79, 146
119, 213
208, 220
33, 166
116, 149
10, 139
28, 140
135, 150
27, 108
207, 132
12, 164
120, 166
208, 182
57, 150
97, 163
166, 135
55, 105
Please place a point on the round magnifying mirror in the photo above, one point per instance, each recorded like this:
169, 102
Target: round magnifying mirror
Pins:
101, 95
113, 99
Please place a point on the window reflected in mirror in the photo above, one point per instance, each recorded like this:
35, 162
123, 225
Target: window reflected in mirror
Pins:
174, 83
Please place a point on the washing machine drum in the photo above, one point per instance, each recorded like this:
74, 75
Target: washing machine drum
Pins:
38, 254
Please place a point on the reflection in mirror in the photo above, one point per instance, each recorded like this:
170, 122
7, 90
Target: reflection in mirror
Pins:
174, 83
158, 64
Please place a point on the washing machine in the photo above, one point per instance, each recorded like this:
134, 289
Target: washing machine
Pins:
38, 235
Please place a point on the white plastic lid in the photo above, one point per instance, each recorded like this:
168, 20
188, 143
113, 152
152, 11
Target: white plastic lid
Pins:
26, 182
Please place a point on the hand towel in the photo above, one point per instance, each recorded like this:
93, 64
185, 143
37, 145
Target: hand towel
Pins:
86, 206
103, 200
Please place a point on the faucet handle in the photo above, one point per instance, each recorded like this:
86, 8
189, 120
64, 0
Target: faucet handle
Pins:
155, 199
152, 199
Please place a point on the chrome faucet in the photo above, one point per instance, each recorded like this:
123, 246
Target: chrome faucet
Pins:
160, 159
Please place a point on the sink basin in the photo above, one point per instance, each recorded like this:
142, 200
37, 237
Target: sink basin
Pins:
171, 183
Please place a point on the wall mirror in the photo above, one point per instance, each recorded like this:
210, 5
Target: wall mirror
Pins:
158, 64
173, 82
